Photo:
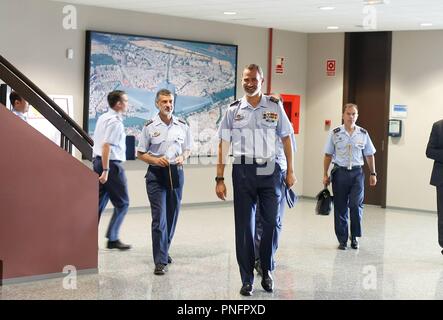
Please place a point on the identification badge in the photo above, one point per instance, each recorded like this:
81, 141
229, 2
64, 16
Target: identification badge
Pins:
156, 134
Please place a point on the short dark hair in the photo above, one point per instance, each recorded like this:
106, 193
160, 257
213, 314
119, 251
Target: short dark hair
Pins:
162, 92
13, 97
254, 66
114, 97
349, 105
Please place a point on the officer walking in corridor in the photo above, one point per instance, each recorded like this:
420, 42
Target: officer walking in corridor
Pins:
109, 153
253, 125
165, 143
345, 147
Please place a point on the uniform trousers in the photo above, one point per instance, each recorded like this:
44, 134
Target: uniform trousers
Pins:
252, 184
259, 226
165, 207
348, 189
116, 190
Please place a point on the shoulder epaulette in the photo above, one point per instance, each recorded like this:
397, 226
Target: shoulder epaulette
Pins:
182, 121
236, 102
363, 130
336, 130
274, 99
149, 122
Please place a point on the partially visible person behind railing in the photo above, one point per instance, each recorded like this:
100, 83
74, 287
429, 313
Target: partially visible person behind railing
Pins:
19, 105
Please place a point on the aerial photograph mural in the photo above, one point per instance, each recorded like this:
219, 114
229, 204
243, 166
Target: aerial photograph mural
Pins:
201, 75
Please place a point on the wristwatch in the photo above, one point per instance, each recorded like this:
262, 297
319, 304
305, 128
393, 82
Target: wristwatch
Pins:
373, 173
217, 179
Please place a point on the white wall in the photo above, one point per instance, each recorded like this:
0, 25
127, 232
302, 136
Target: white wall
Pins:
416, 81
294, 48
33, 39
324, 102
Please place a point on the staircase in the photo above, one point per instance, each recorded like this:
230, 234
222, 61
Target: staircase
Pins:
48, 198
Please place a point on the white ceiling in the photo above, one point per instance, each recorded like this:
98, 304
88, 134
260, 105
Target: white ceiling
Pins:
292, 15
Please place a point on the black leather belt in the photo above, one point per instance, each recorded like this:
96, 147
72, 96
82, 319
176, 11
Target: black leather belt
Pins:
347, 168
249, 160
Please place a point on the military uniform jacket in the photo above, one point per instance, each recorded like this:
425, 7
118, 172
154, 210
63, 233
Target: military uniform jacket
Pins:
255, 132
348, 150
159, 139
110, 129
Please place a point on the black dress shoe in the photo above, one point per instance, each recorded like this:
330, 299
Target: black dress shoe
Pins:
160, 269
170, 259
354, 244
343, 246
246, 290
117, 244
257, 267
267, 282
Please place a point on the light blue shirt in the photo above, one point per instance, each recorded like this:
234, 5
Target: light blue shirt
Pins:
348, 150
255, 132
21, 115
110, 129
280, 156
159, 139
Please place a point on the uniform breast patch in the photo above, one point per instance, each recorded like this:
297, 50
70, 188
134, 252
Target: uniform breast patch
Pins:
155, 134
270, 116
239, 117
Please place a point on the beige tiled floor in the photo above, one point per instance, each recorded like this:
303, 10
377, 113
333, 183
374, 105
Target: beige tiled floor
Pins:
399, 258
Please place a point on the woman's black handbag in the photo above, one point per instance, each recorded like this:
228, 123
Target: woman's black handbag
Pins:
324, 202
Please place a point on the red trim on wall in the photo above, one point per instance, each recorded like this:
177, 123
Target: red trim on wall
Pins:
268, 81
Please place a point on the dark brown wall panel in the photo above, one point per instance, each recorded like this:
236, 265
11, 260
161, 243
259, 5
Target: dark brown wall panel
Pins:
367, 77
48, 204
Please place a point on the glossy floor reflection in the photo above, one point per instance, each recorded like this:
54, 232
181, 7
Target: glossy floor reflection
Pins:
399, 258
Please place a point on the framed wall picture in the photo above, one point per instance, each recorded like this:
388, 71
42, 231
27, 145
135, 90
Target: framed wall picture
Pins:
201, 75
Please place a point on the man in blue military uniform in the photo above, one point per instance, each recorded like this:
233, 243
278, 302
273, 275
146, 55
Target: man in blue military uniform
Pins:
165, 143
19, 105
346, 146
281, 211
253, 125
109, 154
